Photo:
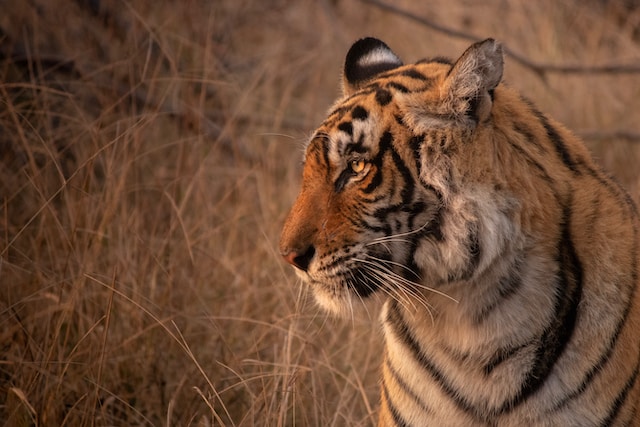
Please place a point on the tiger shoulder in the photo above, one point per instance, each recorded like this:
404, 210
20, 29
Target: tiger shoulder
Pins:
507, 257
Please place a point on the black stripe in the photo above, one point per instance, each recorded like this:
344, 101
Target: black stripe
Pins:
508, 285
414, 210
597, 368
395, 414
633, 413
475, 253
406, 389
556, 336
401, 330
368, 201
558, 142
337, 114
375, 181
409, 184
398, 86
528, 134
415, 142
501, 356
435, 225
348, 104
342, 180
318, 149
620, 400
382, 213
383, 145
384, 229
621, 196
355, 147
407, 190
346, 127
359, 113
414, 74
530, 160
383, 97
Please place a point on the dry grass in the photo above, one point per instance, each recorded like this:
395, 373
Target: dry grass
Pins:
148, 155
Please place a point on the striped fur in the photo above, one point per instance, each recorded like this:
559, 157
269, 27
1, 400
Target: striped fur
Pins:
509, 258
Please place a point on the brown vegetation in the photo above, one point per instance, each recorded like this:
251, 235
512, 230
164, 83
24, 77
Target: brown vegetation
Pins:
148, 154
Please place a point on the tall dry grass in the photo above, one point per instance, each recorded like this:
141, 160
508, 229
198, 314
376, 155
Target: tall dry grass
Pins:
148, 155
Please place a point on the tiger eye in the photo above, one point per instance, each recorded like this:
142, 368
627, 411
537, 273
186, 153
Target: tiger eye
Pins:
357, 165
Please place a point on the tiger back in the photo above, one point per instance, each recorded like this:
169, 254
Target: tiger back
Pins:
507, 257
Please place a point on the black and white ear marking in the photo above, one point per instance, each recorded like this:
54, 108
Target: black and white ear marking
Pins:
367, 58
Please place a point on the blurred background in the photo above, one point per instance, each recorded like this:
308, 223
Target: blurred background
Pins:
149, 152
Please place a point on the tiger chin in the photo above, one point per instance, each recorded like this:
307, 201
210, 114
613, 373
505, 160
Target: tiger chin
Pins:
507, 257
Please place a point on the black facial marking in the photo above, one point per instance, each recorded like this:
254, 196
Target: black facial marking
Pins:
342, 180
359, 113
414, 74
416, 143
383, 97
399, 87
346, 127
354, 147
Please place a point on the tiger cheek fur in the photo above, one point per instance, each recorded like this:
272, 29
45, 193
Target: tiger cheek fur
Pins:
509, 258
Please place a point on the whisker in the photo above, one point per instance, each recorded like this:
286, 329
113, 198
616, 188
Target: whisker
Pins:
401, 279
382, 272
405, 296
362, 303
394, 237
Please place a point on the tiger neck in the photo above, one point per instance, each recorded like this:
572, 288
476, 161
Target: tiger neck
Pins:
501, 307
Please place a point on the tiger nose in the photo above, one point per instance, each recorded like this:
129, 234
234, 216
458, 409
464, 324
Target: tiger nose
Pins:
300, 259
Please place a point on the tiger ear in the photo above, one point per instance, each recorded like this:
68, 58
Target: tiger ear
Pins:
474, 76
367, 58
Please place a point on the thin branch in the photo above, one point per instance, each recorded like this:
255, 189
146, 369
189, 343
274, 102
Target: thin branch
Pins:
610, 135
539, 68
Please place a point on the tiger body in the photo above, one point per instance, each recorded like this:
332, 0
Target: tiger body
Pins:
509, 258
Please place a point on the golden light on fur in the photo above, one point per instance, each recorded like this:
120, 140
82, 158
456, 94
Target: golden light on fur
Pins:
508, 257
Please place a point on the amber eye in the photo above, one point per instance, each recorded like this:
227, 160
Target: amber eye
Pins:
357, 165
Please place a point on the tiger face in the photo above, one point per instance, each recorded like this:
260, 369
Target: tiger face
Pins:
383, 172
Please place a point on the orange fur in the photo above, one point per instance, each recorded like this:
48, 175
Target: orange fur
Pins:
509, 257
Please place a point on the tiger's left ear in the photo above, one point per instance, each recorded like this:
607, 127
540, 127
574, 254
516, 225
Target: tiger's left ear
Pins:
366, 59
473, 78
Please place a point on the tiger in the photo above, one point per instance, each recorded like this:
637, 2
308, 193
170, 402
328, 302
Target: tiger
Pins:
505, 257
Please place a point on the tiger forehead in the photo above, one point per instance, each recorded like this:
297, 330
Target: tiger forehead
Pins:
349, 127
379, 92
350, 131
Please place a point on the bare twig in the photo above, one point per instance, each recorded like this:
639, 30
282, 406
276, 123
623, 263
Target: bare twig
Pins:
610, 135
540, 69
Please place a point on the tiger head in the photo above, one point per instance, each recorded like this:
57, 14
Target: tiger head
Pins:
394, 180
